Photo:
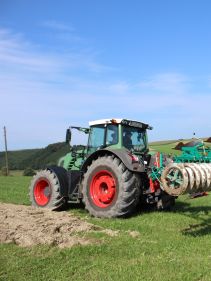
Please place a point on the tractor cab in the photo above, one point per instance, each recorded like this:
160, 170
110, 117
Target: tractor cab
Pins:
112, 134
117, 134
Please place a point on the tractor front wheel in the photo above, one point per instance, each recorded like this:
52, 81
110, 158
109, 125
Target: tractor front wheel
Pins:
110, 189
44, 190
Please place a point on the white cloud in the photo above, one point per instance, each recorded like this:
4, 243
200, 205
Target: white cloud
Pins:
165, 81
57, 26
16, 52
120, 88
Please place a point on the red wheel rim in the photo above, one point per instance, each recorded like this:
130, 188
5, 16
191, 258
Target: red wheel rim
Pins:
103, 189
42, 192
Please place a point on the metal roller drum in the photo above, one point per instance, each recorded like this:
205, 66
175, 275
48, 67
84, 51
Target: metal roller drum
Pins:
191, 179
208, 169
178, 178
202, 176
207, 173
174, 179
197, 176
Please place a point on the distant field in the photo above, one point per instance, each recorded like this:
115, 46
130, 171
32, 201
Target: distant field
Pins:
14, 173
161, 142
168, 146
165, 148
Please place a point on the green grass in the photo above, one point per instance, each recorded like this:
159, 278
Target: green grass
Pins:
171, 246
14, 189
167, 148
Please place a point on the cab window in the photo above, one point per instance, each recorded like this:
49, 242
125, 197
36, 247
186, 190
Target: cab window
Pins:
112, 135
134, 138
96, 137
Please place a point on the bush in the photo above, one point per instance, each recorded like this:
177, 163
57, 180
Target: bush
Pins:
29, 172
4, 171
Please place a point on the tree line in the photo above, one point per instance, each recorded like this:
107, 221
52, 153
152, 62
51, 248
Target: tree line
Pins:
35, 158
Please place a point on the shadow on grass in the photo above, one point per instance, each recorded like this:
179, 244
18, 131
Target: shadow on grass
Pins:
200, 214
200, 229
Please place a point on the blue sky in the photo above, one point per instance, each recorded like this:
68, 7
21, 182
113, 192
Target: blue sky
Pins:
68, 62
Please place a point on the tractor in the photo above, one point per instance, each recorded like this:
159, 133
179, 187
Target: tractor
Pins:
114, 174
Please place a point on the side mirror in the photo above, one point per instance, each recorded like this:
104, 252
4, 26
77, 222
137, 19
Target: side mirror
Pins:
68, 136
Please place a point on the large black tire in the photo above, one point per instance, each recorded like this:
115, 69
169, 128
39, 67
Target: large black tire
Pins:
109, 189
44, 191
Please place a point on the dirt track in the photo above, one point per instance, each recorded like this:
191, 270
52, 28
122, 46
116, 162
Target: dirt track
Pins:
28, 226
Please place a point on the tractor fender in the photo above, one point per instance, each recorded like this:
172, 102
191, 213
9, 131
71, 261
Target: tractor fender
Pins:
62, 176
124, 155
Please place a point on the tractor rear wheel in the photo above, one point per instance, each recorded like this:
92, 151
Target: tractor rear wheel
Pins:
110, 189
44, 191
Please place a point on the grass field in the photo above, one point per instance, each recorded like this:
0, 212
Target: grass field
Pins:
171, 246
165, 148
168, 146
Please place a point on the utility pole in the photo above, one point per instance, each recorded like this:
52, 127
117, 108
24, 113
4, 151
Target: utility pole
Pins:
6, 153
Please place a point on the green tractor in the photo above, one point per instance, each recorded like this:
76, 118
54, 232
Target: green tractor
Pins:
109, 175
114, 174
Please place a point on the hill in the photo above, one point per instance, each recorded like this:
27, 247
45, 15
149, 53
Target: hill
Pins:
34, 158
